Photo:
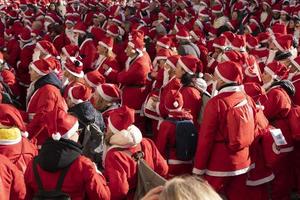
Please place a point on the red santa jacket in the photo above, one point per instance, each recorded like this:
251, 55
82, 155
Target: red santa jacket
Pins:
276, 110
20, 153
11, 181
133, 79
82, 181
88, 52
192, 101
121, 169
166, 144
173, 84
296, 82
110, 74
13, 51
60, 41
43, 99
212, 149
25, 60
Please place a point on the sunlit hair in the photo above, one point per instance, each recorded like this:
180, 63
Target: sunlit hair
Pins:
188, 188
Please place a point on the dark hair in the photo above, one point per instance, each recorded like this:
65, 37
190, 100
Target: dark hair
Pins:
188, 79
282, 55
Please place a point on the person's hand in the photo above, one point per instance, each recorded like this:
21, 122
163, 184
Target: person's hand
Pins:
154, 74
153, 194
208, 77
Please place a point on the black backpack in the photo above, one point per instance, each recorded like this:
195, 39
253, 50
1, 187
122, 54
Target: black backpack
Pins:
93, 143
186, 139
56, 194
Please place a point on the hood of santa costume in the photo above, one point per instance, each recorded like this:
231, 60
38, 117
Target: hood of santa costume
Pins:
55, 155
87, 114
51, 79
286, 85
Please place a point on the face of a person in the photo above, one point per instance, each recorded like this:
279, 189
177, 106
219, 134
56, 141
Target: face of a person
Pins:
98, 102
102, 50
179, 71
33, 75
129, 51
266, 78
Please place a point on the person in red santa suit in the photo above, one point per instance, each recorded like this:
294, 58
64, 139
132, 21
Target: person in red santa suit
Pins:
27, 50
62, 152
46, 50
186, 70
261, 175
212, 148
166, 137
73, 74
119, 168
13, 49
87, 49
276, 110
11, 181
133, 79
13, 142
294, 76
43, 96
106, 63
106, 98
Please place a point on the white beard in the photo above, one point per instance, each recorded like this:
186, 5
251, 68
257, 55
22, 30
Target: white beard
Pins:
36, 55
263, 17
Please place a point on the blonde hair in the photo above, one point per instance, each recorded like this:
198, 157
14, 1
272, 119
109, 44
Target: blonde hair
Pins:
188, 188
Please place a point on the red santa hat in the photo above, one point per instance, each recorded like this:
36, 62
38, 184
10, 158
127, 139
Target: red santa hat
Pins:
220, 42
283, 42
70, 50
74, 66
174, 101
172, 61
162, 54
263, 37
183, 34
118, 19
94, 78
229, 72
189, 63
197, 34
80, 27
25, 35
217, 9
239, 43
79, 93
252, 27
61, 124
252, 42
125, 134
109, 92
52, 17
256, 91
229, 36
233, 56
204, 13
46, 47
277, 70
107, 42
296, 62
112, 30
41, 67
114, 10
164, 42
278, 28
164, 14
137, 44
121, 119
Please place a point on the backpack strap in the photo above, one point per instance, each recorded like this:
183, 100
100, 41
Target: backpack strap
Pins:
62, 177
36, 175
39, 181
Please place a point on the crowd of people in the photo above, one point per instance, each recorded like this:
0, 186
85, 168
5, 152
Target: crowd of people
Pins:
208, 88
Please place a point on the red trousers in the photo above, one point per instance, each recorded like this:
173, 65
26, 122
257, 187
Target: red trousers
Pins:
232, 187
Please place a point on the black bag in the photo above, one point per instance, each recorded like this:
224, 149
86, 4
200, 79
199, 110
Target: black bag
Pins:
56, 194
93, 143
186, 139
